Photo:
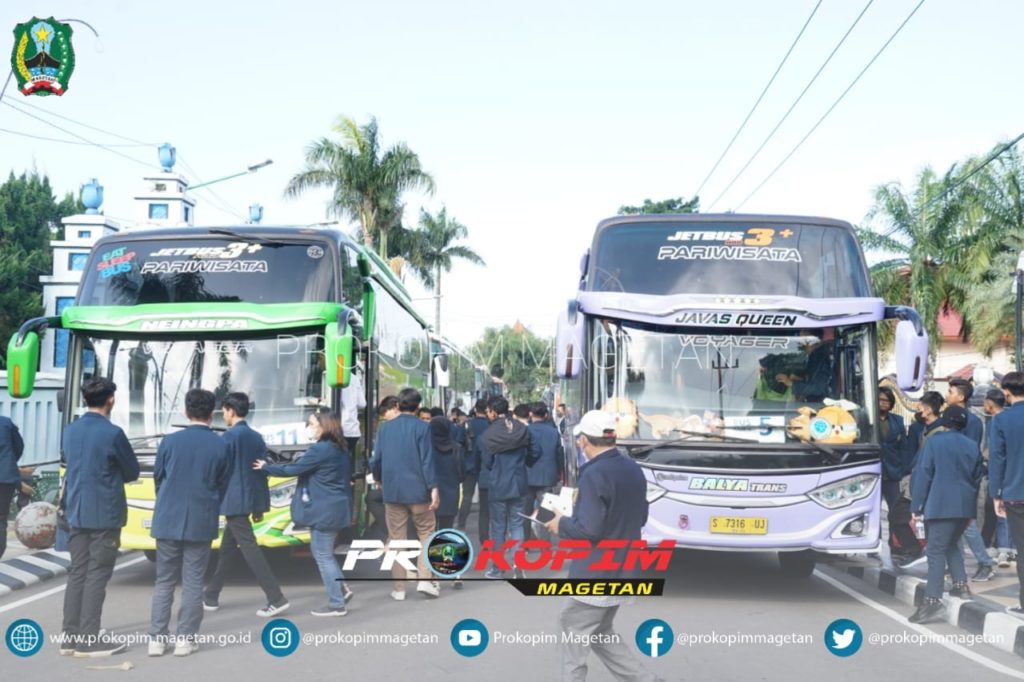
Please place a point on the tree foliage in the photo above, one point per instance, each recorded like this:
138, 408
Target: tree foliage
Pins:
519, 357
678, 205
366, 182
28, 212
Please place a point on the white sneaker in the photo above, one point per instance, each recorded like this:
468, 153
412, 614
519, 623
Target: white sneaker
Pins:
185, 647
398, 595
272, 610
1003, 560
157, 647
431, 588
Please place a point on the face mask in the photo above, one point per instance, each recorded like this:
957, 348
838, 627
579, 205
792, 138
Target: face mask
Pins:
311, 433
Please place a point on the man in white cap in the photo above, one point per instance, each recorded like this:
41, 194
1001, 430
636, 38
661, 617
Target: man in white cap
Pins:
611, 504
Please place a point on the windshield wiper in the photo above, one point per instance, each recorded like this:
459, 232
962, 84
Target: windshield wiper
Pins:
677, 441
830, 455
252, 238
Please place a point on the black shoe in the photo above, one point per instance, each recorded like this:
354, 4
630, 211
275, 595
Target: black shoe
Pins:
67, 644
104, 647
912, 561
983, 574
1015, 611
927, 612
960, 590
210, 603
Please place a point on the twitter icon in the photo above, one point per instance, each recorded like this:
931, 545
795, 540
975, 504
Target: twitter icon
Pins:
843, 637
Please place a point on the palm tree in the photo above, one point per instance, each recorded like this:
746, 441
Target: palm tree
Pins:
430, 250
366, 182
1000, 201
923, 233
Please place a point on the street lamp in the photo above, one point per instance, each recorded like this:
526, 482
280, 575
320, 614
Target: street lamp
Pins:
250, 169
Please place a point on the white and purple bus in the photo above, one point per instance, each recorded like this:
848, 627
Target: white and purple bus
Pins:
740, 355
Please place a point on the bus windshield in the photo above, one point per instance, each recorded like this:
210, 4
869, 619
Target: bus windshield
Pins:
679, 257
182, 270
664, 385
283, 377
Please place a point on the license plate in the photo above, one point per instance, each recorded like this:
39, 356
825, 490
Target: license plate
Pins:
739, 525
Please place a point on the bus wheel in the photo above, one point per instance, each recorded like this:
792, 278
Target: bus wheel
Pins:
797, 564
150, 554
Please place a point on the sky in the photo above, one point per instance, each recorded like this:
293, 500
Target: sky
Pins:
536, 119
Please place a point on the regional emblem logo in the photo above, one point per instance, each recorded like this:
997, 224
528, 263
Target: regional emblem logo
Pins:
42, 59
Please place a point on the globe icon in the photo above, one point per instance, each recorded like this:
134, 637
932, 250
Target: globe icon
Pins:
24, 638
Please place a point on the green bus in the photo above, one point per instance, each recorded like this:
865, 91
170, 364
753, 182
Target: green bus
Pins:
284, 314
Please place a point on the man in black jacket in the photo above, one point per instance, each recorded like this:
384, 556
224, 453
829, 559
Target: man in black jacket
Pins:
612, 504
507, 450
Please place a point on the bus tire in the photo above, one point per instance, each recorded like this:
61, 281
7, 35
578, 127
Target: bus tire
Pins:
797, 564
150, 554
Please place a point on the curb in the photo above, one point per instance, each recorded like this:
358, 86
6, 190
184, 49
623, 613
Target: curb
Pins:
977, 617
19, 572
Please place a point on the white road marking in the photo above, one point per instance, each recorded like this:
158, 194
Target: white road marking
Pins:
61, 588
902, 620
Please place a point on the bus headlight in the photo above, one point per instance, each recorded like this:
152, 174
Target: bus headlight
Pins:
844, 492
654, 492
282, 493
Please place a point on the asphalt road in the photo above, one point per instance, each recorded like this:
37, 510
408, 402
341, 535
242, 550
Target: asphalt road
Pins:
706, 595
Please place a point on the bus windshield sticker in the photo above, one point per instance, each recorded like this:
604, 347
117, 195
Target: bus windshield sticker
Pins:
206, 265
742, 253
315, 252
115, 262
738, 319
232, 250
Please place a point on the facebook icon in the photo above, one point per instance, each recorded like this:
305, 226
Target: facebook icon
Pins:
654, 637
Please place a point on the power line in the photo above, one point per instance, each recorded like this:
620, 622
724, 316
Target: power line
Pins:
57, 139
74, 134
759, 98
834, 104
793, 105
137, 143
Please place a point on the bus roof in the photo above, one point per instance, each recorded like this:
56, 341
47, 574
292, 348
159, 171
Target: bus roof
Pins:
722, 218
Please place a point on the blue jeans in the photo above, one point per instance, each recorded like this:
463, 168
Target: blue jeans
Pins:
973, 537
503, 515
322, 546
942, 550
1004, 541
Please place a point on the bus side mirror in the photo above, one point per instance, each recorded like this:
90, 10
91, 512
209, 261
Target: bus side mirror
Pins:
338, 352
441, 378
911, 356
22, 362
569, 343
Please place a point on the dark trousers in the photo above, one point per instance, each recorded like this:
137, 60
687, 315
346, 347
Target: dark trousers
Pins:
943, 550
466, 505
1015, 520
899, 528
484, 518
445, 521
239, 539
185, 561
6, 495
988, 526
93, 553
378, 529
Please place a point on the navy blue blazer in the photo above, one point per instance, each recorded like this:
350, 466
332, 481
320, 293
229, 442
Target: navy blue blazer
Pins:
325, 479
546, 470
1006, 455
247, 491
191, 474
945, 482
477, 425
975, 429
403, 460
99, 462
11, 449
894, 449
507, 467
611, 503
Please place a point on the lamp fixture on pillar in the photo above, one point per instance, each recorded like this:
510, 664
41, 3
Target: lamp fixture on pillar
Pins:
92, 196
